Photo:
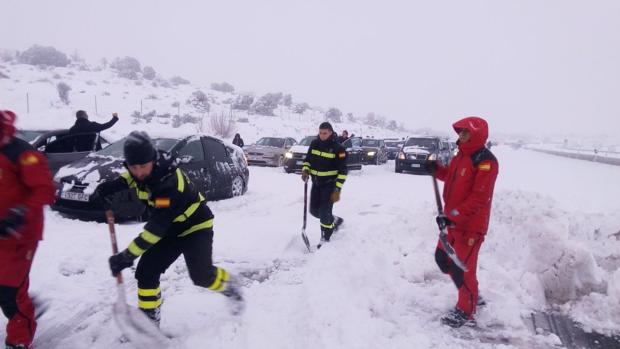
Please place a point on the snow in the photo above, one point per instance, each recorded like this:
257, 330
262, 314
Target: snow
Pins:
376, 284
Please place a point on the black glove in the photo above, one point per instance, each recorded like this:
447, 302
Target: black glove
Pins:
431, 166
13, 221
99, 198
305, 174
443, 222
120, 261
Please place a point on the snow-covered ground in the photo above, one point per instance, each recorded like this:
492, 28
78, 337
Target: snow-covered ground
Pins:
375, 285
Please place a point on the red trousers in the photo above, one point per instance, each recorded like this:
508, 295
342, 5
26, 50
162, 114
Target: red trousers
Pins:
15, 263
466, 245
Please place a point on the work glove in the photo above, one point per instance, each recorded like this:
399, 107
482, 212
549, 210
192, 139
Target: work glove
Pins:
443, 222
335, 197
120, 261
98, 198
115, 115
13, 221
305, 174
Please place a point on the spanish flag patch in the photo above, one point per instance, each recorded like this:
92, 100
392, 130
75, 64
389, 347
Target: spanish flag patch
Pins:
29, 160
486, 166
342, 155
162, 202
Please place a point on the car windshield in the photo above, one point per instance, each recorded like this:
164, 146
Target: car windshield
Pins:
116, 149
306, 141
28, 136
426, 143
393, 144
271, 142
370, 143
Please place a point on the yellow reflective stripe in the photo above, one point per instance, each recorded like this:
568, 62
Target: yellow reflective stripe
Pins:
149, 304
181, 181
135, 249
219, 284
150, 237
190, 211
128, 179
203, 225
323, 154
342, 176
338, 185
324, 173
149, 292
328, 226
143, 195
306, 164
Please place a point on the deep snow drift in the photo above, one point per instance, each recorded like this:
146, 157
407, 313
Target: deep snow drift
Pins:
375, 285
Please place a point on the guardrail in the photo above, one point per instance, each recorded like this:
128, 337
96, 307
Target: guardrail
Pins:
587, 157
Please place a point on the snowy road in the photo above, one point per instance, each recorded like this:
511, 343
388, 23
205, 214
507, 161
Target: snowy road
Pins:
376, 283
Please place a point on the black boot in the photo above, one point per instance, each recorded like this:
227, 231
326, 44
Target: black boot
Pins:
456, 318
337, 223
153, 314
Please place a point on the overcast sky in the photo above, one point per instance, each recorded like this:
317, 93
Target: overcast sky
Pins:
527, 66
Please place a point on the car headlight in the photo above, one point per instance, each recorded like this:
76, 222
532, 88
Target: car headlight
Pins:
401, 156
288, 155
432, 157
372, 153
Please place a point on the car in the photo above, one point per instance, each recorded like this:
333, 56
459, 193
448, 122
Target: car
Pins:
375, 151
393, 147
418, 149
294, 158
58, 145
218, 169
269, 151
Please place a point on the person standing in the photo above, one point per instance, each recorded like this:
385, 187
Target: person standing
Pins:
468, 193
180, 223
89, 129
26, 186
326, 163
238, 141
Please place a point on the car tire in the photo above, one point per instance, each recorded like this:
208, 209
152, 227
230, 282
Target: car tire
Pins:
237, 187
398, 169
281, 161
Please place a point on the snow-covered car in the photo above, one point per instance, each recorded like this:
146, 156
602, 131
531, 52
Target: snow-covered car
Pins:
417, 150
217, 168
268, 151
375, 151
294, 158
59, 146
393, 147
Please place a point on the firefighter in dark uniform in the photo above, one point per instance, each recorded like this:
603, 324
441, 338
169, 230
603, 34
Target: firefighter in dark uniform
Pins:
326, 163
180, 223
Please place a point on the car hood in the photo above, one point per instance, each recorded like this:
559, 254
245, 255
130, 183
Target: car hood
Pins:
299, 149
89, 171
263, 148
370, 149
415, 150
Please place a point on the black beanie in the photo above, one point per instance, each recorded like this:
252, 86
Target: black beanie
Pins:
326, 126
139, 149
81, 114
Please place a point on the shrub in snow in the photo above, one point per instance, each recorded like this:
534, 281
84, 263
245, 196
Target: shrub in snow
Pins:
175, 104
63, 92
7, 55
43, 55
392, 125
177, 80
266, 104
152, 96
287, 100
127, 67
222, 125
199, 101
243, 102
149, 73
148, 117
163, 82
223, 87
300, 108
177, 120
244, 120
351, 117
334, 115
91, 83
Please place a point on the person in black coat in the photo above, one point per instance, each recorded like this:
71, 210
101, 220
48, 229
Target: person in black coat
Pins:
238, 141
90, 130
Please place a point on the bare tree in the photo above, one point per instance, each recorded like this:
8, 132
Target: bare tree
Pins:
222, 125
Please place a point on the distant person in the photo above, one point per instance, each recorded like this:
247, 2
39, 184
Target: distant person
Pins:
90, 129
26, 185
238, 141
343, 137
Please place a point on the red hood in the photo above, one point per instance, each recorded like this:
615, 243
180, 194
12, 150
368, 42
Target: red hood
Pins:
478, 130
7, 127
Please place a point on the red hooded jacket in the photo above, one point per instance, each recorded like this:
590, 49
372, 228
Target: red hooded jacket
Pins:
25, 179
469, 179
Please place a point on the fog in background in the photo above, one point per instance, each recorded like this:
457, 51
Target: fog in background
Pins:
533, 66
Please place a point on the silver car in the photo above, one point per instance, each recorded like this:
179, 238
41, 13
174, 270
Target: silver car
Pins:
268, 151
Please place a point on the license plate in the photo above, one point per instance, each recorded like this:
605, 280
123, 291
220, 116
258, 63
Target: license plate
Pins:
299, 162
415, 165
68, 195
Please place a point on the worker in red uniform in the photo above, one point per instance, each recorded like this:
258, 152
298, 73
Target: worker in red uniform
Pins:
469, 180
26, 186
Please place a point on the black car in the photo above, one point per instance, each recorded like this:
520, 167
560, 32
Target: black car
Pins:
375, 151
393, 147
417, 150
59, 146
294, 158
218, 169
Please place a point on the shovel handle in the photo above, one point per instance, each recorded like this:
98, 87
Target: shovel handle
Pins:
109, 215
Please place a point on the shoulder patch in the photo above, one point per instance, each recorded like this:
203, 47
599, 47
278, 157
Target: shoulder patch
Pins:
162, 202
29, 160
481, 156
342, 155
485, 166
